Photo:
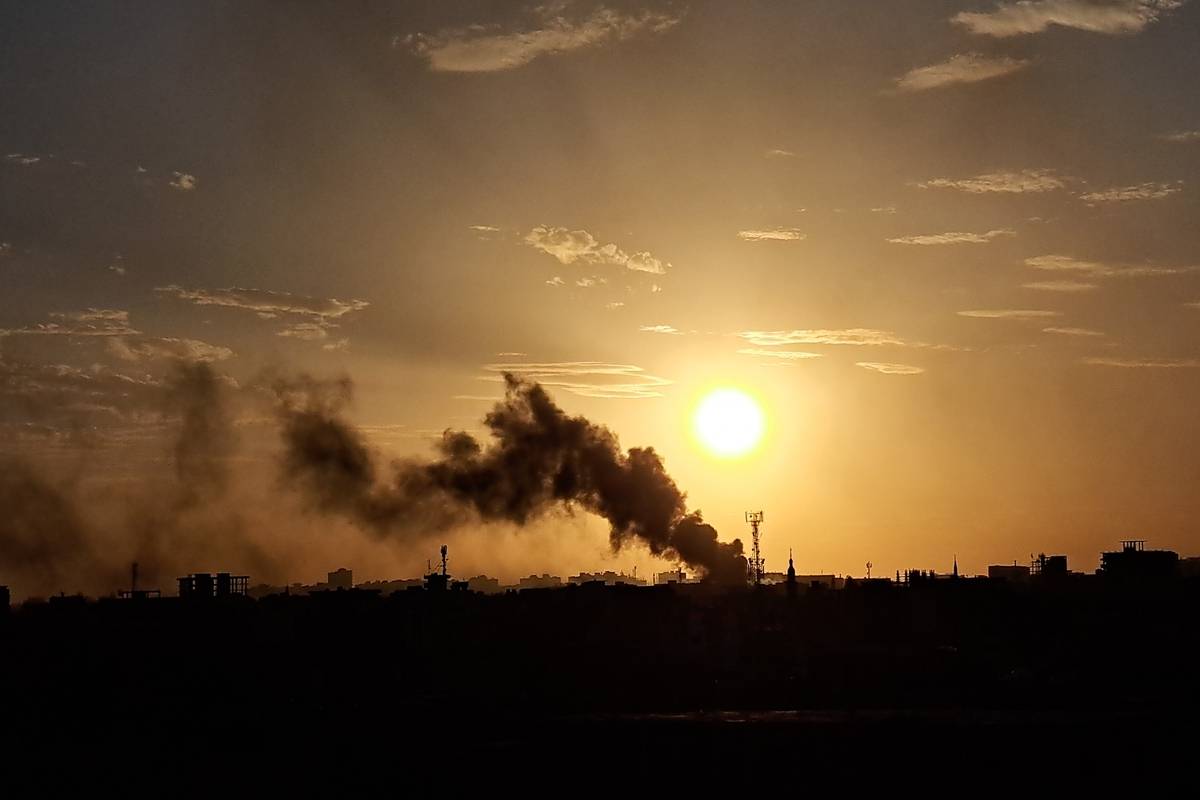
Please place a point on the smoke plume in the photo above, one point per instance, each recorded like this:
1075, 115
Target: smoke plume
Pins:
539, 459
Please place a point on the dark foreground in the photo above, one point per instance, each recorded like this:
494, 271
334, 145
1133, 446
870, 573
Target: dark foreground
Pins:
951, 675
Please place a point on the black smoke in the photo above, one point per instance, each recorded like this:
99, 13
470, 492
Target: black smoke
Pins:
539, 458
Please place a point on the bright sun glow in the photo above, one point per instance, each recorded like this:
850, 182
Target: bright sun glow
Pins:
728, 422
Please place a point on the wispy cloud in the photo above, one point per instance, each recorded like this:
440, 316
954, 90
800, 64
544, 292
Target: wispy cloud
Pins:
1127, 194
149, 348
1035, 16
1008, 313
787, 355
953, 237
780, 154
570, 246
316, 316
91, 322
1096, 269
890, 369
556, 282
183, 181
307, 331
670, 330
1073, 331
23, 159
266, 303
1029, 180
1061, 286
848, 336
588, 378
1144, 363
614, 305
480, 48
772, 235
1182, 137
962, 68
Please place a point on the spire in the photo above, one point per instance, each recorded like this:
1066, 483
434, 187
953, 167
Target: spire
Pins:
791, 573
956, 565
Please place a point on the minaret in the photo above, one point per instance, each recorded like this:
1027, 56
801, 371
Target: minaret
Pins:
956, 565
791, 576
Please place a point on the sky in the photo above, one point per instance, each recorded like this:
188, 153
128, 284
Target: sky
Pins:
950, 248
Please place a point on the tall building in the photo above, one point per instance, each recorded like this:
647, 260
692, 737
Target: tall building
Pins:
341, 579
1134, 561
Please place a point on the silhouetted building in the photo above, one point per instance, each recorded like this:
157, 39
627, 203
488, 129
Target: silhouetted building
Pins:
5, 599
340, 579
1134, 561
205, 585
1014, 573
1048, 566
671, 576
1189, 567
133, 592
608, 578
540, 582
484, 585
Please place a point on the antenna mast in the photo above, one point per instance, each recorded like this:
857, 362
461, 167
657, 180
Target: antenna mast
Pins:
754, 565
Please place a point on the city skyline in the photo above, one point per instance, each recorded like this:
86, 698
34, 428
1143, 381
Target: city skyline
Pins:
950, 253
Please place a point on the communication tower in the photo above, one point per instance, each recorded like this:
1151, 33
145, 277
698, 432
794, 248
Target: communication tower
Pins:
754, 564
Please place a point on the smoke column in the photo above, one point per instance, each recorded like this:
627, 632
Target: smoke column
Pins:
539, 458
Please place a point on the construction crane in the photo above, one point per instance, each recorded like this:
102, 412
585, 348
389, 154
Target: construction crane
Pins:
754, 564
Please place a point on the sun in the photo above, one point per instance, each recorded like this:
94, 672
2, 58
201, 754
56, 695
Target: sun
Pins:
728, 422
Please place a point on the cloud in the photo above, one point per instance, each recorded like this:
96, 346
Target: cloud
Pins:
1061, 286
1182, 137
884, 210
614, 305
1029, 180
340, 344
848, 336
772, 235
5, 249
23, 159
183, 181
570, 246
556, 282
1035, 16
117, 269
670, 330
70, 397
1126, 194
92, 322
789, 355
267, 304
588, 378
585, 283
962, 68
307, 331
780, 154
890, 369
149, 348
1056, 263
485, 228
481, 48
954, 238
1073, 331
1008, 313
1139, 363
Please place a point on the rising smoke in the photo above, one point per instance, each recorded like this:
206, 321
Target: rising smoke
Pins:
539, 459
81, 532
